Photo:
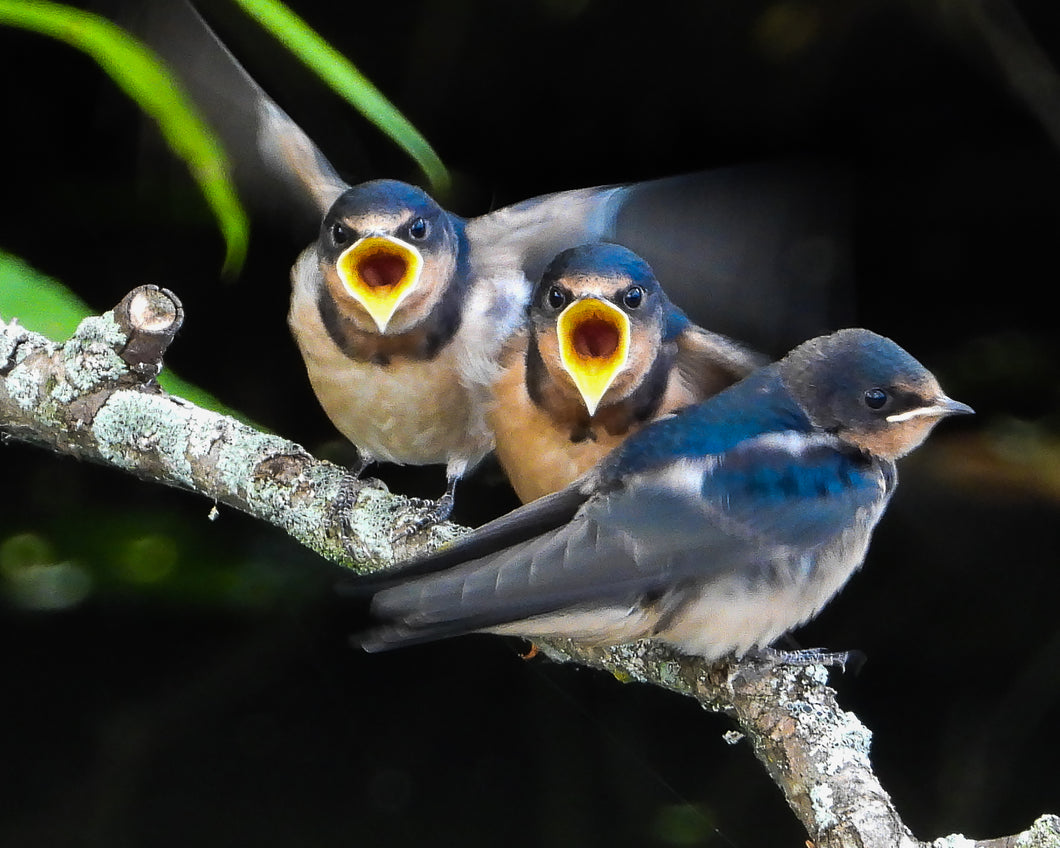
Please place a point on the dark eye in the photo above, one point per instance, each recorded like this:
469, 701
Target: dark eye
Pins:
418, 229
339, 233
875, 398
633, 297
557, 298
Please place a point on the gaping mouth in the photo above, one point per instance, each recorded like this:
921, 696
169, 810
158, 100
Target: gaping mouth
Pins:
379, 272
593, 346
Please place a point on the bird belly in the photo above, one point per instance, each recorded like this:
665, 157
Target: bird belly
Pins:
600, 626
730, 618
407, 411
734, 617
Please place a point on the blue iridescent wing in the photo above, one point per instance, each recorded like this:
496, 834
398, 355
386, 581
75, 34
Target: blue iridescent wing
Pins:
693, 521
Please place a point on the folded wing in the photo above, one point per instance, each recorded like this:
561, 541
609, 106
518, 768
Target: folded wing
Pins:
741, 514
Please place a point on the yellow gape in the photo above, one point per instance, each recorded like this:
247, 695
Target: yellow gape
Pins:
379, 272
593, 346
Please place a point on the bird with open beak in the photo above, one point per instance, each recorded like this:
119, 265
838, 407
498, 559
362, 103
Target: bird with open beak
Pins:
394, 328
603, 353
401, 309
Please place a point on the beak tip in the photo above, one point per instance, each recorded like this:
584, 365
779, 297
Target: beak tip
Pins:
955, 407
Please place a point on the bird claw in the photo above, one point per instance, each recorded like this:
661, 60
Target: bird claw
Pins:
435, 512
766, 659
342, 506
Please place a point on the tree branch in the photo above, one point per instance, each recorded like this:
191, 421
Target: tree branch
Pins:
816, 752
95, 397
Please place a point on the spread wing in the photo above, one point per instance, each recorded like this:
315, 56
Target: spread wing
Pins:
273, 155
769, 501
758, 252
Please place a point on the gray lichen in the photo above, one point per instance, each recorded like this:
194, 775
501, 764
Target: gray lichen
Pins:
133, 424
956, 840
1044, 833
23, 387
823, 806
12, 335
90, 357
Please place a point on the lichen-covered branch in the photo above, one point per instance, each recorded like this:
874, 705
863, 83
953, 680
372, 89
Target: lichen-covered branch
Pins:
95, 397
816, 752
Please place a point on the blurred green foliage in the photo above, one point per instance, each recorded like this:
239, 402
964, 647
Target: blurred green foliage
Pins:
141, 555
334, 69
144, 77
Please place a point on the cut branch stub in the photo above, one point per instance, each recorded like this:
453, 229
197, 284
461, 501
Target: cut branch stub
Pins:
150, 317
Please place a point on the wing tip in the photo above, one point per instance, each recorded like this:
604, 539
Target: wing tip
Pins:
374, 641
392, 635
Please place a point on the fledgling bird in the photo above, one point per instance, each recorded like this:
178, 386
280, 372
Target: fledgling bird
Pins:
395, 329
716, 529
603, 353
400, 308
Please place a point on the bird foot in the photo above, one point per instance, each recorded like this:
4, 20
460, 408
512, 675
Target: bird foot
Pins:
435, 512
343, 506
766, 659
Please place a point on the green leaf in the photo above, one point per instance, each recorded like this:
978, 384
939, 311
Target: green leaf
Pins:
144, 77
337, 71
40, 303
46, 306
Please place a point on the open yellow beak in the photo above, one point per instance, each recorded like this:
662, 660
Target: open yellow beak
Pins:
593, 346
379, 272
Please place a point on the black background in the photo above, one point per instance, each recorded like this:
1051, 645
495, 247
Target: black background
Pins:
223, 705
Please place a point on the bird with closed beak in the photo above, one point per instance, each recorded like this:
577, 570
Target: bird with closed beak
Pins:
604, 352
716, 529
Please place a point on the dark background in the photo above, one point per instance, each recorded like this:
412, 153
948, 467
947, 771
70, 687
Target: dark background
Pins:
195, 685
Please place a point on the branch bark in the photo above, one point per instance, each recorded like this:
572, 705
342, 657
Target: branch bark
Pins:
95, 397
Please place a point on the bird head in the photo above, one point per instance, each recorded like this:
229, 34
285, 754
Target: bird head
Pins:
867, 390
597, 316
388, 253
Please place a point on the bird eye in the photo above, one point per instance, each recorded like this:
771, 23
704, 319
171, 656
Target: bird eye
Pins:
875, 398
339, 233
633, 297
557, 298
418, 229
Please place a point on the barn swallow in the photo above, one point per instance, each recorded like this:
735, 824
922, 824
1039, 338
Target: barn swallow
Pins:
716, 529
395, 327
401, 309
604, 352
